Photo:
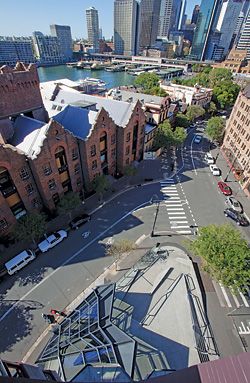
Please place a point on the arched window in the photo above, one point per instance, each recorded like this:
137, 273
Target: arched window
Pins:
61, 161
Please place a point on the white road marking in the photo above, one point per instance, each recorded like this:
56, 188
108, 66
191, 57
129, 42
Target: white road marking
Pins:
184, 231
172, 205
237, 303
177, 217
225, 295
69, 260
244, 299
179, 226
169, 209
177, 222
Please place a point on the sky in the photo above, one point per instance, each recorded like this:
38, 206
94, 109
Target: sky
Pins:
21, 18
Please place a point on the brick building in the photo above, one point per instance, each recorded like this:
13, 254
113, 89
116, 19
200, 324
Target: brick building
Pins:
42, 159
236, 62
236, 144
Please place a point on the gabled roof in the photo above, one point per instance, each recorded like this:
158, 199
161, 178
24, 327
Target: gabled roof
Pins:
119, 111
76, 120
29, 135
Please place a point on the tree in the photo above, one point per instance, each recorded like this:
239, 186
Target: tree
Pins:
212, 108
218, 75
30, 227
118, 248
129, 171
166, 136
225, 94
180, 135
215, 128
225, 255
194, 111
147, 81
182, 120
68, 203
100, 185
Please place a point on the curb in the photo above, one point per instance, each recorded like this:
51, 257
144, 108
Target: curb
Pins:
98, 281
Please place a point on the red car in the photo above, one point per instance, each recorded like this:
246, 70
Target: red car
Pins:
224, 188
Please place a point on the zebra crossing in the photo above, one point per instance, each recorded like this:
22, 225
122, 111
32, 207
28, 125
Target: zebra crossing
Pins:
231, 299
175, 205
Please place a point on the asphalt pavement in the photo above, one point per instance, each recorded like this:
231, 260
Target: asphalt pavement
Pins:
185, 199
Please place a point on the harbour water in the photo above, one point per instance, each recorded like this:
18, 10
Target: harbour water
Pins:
112, 79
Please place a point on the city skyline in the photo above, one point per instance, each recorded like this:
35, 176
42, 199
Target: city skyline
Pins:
42, 15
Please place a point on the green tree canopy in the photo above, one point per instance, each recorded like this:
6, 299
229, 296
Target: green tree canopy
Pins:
100, 185
194, 111
68, 203
149, 82
182, 120
212, 108
166, 136
225, 93
30, 227
215, 128
218, 75
226, 255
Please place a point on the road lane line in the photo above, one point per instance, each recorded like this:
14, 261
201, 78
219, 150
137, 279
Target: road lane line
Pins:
69, 260
244, 299
225, 295
184, 231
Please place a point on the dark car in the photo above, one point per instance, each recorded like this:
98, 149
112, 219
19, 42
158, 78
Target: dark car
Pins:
224, 188
239, 218
79, 220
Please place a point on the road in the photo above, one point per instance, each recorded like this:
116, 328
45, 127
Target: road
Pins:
189, 198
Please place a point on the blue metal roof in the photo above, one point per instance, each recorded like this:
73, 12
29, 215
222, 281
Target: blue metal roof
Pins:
76, 120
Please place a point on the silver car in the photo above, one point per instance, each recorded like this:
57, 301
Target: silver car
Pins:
234, 204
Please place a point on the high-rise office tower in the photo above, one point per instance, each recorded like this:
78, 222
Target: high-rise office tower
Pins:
177, 15
205, 22
221, 34
244, 40
165, 18
63, 33
126, 27
149, 19
195, 14
93, 27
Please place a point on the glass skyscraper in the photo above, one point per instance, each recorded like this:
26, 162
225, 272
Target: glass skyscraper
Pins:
149, 15
204, 24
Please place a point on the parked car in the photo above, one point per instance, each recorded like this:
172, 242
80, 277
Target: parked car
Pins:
215, 170
79, 220
197, 139
234, 204
239, 218
209, 158
52, 240
224, 188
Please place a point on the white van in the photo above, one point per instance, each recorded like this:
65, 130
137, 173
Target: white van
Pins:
19, 261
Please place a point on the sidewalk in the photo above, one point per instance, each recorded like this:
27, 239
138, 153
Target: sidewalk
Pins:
231, 181
147, 170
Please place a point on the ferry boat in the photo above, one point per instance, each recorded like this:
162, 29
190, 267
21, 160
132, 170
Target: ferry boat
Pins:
95, 81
